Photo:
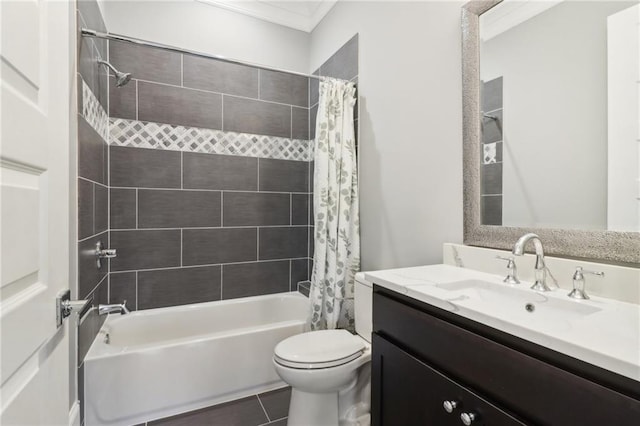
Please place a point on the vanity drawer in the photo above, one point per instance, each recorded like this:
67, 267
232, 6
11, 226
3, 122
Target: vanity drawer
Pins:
409, 392
535, 390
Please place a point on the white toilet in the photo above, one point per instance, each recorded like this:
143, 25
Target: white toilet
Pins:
330, 370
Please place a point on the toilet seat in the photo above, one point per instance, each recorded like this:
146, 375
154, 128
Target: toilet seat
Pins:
319, 349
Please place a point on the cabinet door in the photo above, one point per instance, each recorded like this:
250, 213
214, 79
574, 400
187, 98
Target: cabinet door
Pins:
408, 392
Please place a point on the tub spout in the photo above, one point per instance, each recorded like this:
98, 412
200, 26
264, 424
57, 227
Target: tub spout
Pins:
107, 309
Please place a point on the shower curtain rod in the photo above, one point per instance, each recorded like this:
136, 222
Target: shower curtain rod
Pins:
117, 37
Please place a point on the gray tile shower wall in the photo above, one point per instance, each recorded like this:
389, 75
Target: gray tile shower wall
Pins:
492, 153
91, 50
93, 193
179, 89
195, 227
92, 180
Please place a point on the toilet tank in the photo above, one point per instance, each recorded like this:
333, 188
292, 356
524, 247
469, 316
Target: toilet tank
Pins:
363, 306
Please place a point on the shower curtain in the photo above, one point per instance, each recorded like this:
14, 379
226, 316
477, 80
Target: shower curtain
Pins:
335, 199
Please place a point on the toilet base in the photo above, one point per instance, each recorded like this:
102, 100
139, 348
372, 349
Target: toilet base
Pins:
313, 409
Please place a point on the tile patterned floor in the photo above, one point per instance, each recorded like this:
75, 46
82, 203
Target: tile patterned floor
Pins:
269, 408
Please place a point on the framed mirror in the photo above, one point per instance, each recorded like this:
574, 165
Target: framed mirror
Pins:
551, 131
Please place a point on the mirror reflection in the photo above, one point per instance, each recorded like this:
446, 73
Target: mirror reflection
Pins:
560, 115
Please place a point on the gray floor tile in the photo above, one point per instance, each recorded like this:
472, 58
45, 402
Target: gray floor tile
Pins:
276, 402
243, 412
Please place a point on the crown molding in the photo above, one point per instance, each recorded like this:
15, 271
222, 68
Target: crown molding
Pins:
509, 14
299, 15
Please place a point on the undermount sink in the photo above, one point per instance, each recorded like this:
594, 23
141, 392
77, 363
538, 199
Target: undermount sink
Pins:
511, 303
515, 300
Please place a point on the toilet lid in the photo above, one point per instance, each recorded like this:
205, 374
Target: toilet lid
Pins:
319, 349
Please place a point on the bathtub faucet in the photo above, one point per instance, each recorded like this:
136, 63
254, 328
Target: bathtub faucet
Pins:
107, 309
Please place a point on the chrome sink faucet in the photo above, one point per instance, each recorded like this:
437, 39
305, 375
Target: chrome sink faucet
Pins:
107, 309
540, 268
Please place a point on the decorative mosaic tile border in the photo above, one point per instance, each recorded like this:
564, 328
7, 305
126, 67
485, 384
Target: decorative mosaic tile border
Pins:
93, 112
489, 151
141, 134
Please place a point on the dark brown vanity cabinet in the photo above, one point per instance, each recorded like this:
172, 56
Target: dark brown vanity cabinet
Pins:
416, 394
425, 360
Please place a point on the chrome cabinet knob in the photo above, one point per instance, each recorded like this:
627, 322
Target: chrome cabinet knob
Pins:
449, 406
467, 418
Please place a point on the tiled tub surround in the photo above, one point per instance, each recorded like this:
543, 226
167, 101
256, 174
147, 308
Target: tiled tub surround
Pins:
185, 90
209, 179
492, 153
193, 227
92, 182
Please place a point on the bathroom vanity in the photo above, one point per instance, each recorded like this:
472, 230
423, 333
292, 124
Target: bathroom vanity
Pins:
438, 361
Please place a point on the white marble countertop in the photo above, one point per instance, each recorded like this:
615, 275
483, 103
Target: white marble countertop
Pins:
602, 332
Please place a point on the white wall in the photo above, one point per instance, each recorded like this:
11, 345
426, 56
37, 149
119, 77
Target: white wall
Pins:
554, 69
204, 28
623, 210
410, 124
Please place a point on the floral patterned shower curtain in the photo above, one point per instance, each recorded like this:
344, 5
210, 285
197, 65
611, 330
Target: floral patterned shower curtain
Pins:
337, 234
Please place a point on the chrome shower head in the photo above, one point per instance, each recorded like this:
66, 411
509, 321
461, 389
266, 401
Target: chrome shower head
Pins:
122, 78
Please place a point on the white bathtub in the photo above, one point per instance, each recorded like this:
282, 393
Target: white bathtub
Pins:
167, 361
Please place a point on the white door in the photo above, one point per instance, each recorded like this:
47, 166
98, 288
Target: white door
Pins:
36, 93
